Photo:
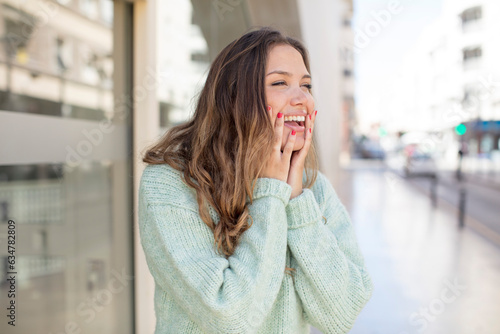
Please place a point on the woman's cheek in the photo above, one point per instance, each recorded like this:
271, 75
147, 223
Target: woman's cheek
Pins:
311, 104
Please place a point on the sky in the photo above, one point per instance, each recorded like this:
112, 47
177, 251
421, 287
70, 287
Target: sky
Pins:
380, 52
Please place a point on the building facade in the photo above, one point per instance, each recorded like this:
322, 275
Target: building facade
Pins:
451, 78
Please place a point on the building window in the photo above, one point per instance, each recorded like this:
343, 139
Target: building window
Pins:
470, 98
17, 30
471, 57
472, 53
471, 15
486, 143
347, 73
107, 12
90, 9
63, 55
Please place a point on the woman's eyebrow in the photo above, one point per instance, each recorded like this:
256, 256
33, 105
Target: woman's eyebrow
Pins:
287, 74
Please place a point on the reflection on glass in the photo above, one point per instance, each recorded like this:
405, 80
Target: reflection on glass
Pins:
28, 200
55, 58
189, 36
487, 143
182, 61
72, 247
63, 246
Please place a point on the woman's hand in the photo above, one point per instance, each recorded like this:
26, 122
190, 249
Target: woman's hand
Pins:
299, 157
277, 165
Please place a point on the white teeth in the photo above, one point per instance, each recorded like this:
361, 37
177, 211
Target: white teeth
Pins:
295, 118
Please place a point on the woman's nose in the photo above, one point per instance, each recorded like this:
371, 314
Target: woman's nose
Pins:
298, 96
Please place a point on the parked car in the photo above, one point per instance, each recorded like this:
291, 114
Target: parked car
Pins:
371, 150
419, 163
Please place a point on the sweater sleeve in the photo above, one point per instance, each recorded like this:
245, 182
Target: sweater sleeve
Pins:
221, 295
330, 275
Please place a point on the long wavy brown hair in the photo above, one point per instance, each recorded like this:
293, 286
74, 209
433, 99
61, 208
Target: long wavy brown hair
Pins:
222, 146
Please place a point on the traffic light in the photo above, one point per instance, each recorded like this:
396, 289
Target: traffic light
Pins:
382, 132
460, 129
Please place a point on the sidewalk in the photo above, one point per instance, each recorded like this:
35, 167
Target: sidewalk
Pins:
429, 276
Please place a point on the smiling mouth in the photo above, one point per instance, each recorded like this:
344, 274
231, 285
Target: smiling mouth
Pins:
296, 120
296, 123
297, 126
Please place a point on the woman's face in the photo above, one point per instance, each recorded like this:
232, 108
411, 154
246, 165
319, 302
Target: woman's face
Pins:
288, 90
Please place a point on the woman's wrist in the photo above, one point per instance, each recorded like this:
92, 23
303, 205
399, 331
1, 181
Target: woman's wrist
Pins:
303, 210
272, 187
295, 193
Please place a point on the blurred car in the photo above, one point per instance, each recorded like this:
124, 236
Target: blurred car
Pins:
419, 163
371, 150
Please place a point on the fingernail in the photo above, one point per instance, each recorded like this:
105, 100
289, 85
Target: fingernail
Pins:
293, 132
310, 130
268, 108
280, 114
315, 113
310, 116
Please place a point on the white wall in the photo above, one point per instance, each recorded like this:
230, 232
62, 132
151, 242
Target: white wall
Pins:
146, 126
320, 26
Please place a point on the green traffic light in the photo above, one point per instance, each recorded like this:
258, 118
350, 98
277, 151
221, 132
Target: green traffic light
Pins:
460, 129
382, 132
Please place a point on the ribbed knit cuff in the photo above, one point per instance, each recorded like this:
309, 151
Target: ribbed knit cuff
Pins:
303, 210
272, 187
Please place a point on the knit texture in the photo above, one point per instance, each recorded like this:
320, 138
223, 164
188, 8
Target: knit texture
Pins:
199, 291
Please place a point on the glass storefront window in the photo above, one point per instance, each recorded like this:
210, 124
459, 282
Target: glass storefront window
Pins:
487, 143
190, 34
65, 184
55, 58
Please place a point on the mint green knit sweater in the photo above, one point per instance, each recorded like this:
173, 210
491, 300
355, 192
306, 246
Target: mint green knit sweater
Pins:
199, 291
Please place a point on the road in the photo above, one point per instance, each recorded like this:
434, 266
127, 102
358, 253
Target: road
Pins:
482, 202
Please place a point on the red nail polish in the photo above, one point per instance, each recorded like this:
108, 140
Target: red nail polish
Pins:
315, 113
268, 108
310, 130
310, 116
280, 114
293, 132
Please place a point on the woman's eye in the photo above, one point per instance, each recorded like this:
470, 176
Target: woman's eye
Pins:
283, 83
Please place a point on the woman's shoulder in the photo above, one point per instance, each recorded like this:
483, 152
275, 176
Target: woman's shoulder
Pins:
161, 183
155, 174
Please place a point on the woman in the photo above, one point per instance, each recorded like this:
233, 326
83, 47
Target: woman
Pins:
233, 199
